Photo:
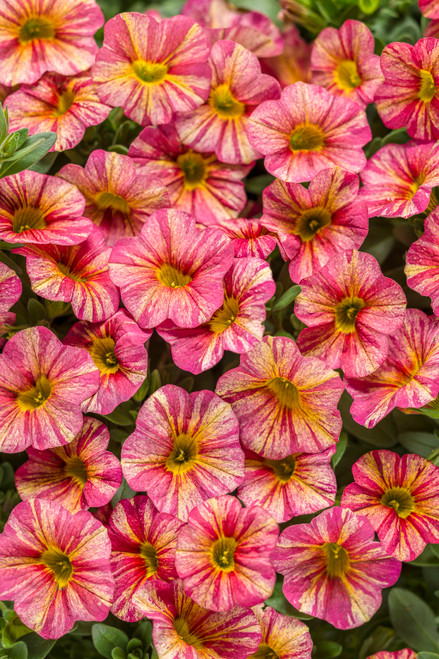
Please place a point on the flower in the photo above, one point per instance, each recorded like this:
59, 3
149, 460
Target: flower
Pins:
249, 238
185, 449
315, 225
351, 309
236, 326
78, 476
36, 37
283, 637
308, 130
401, 654
78, 275
152, 69
429, 8
400, 498
343, 62
197, 183
40, 209
422, 262
299, 484
119, 196
238, 86
42, 385
182, 628
117, 348
334, 569
223, 554
409, 377
64, 105
408, 97
172, 270
10, 292
293, 64
285, 403
398, 179
143, 551
55, 566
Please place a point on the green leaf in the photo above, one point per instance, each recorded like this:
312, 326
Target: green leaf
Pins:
36, 311
123, 492
118, 653
257, 184
422, 443
341, 448
34, 148
38, 647
399, 136
17, 651
368, 6
142, 392
279, 603
428, 655
413, 620
155, 382
286, 298
121, 415
428, 558
44, 165
327, 650
118, 148
105, 638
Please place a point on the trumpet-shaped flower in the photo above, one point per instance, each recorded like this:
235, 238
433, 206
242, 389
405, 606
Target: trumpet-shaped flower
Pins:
293, 64
249, 237
421, 268
10, 292
283, 637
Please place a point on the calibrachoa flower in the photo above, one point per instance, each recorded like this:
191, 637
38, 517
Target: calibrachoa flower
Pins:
249, 238
283, 637
236, 326
398, 179
65, 106
421, 268
117, 348
343, 61
293, 64
42, 385
401, 654
429, 8
408, 378
197, 183
47, 35
314, 225
223, 554
308, 130
10, 292
185, 449
153, 69
238, 86
400, 498
78, 476
41, 209
172, 270
55, 566
334, 569
143, 551
408, 97
78, 275
284, 402
298, 484
350, 309
119, 196
183, 629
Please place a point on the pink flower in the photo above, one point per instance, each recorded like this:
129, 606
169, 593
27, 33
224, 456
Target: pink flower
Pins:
422, 262
429, 8
10, 292
283, 637
401, 654
293, 64
249, 238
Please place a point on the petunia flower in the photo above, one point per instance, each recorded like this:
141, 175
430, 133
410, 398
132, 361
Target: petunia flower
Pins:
248, 236
55, 566
185, 449
10, 292
293, 64
400, 654
333, 568
152, 69
351, 309
422, 261
78, 476
429, 8
283, 637
285, 403
42, 386
223, 554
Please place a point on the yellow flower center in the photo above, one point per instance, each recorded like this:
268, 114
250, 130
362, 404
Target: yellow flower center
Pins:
35, 397
223, 554
282, 469
149, 555
311, 222
194, 169
427, 86
224, 104
105, 200
183, 630
59, 564
183, 456
264, 652
102, 353
36, 27
337, 559
75, 468
171, 277
346, 313
225, 316
285, 391
65, 102
346, 75
414, 187
27, 218
151, 73
307, 137
66, 270
400, 500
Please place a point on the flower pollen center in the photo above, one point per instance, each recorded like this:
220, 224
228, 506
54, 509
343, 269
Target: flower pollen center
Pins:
68, 272
346, 75
307, 137
75, 468
264, 652
36, 27
109, 200
223, 554
59, 563
285, 391
225, 316
149, 555
311, 222
400, 500
346, 313
36, 396
183, 630
427, 86
337, 559
184, 454
151, 73
194, 169
282, 469
171, 277
65, 102
102, 353
224, 104
28, 218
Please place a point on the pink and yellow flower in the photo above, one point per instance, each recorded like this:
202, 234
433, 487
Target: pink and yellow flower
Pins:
238, 86
78, 476
78, 275
249, 237
10, 292
285, 403
398, 179
314, 225
223, 554
119, 197
55, 566
429, 8
293, 64
409, 377
351, 309
40, 209
400, 654
184, 450
409, 96
66, 106
299, 484
400, 498
143, 551
153, 69
172, 270
236, 326
421, 268
334, 569
42, 386
197, 183
47, 35
344, 63
308, 130
283, 637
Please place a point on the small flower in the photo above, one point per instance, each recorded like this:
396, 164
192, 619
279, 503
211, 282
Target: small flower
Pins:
422, 262
42, 385
78, 476
401, 654
185, 449
248, 237
223, 554
10, 292
334, 569
293, 64
283, 637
